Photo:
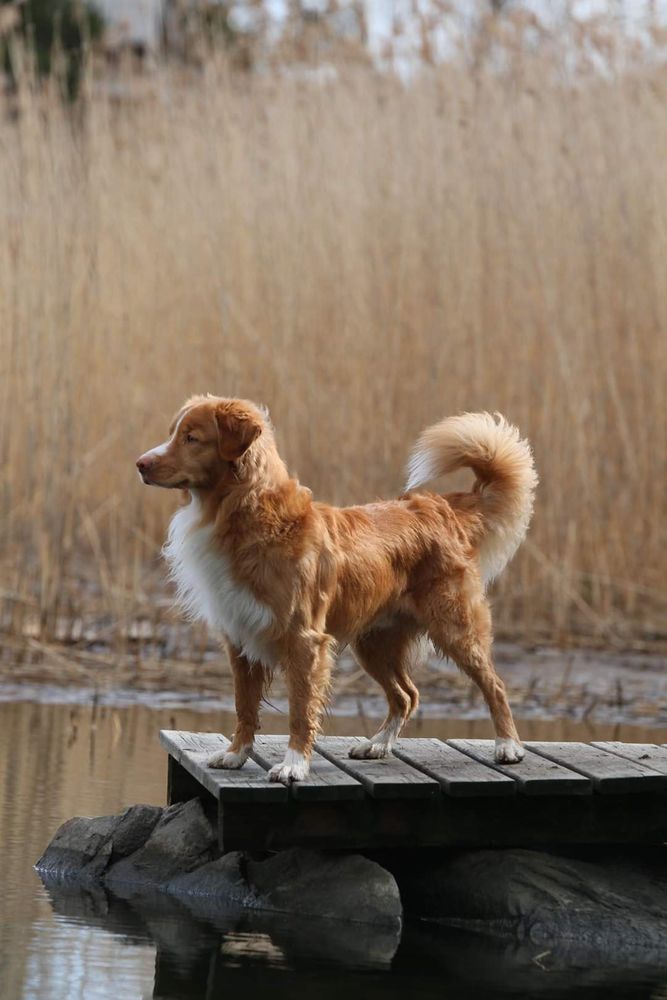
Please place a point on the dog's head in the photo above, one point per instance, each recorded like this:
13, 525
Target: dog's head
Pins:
207, 437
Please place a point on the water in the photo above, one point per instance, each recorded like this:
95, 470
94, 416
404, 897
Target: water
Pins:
61, 760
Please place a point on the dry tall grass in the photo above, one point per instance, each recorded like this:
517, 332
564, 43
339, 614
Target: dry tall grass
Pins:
364, 256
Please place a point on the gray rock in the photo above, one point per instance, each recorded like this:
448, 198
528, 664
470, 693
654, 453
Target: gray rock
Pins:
319, 884
83, 847
75, 846
135, 826
308, 883
183, 839
609, 904
222, 879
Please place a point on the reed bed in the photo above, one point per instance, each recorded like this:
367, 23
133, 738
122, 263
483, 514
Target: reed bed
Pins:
365, 255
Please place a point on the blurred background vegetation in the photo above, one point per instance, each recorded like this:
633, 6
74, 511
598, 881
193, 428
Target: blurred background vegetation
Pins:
57, 33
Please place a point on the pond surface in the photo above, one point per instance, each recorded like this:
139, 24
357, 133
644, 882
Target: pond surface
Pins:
65, 759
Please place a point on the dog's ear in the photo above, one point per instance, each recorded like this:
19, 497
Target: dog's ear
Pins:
237, 429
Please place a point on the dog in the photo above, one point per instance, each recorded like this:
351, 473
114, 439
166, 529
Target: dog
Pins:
288, 580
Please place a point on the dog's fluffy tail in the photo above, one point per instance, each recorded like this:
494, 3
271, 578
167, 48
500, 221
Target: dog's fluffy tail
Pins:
506, 479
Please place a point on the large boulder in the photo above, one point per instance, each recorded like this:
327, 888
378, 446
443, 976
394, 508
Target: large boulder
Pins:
310, 883
314, 883
606, 903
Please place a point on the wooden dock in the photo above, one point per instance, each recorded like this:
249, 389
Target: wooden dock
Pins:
428, 793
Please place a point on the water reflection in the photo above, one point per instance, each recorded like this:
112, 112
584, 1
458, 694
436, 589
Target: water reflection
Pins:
206, 954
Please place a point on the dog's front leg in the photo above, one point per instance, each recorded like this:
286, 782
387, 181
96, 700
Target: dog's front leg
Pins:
249, 681
307, 671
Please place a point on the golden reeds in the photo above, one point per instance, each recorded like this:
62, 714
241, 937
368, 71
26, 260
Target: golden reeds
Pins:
365, 256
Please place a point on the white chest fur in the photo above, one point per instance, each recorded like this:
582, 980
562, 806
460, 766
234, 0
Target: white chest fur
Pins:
206, 588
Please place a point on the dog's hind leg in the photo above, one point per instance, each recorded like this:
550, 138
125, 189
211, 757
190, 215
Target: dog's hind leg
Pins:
307, 668
249, 683
460, 627
385, 654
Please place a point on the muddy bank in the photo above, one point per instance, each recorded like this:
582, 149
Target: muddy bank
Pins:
543, 683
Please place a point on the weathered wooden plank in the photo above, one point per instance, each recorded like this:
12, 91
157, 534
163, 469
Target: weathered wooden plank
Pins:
609, 773
386, 778
325, 781
649, 754
534, 775
249, 783
456, 772
178, 741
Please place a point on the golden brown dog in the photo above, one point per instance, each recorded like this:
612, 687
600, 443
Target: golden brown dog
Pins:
287, 579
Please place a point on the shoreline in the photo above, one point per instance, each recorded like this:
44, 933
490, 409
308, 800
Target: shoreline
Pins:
543, 683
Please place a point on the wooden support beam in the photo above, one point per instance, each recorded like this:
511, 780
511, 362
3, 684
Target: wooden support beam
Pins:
521, 821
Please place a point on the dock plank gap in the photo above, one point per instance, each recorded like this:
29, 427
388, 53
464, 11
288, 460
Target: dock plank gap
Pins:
427, 793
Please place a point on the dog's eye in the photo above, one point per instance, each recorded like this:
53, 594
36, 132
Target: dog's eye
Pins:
190, 439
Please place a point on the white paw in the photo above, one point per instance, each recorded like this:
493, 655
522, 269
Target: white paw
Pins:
294, 768
368, 750
229, 759
508, 751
